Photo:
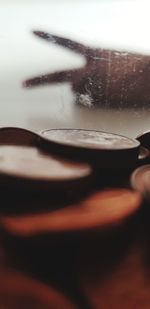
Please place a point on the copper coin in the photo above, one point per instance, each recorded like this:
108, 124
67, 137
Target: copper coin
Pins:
17, 136
89, 139
144, 155
140, 179
101, 210
101, 147
144, 139
18, 291
32, 164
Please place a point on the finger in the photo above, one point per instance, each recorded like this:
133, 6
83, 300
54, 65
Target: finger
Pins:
67, 43
56, 77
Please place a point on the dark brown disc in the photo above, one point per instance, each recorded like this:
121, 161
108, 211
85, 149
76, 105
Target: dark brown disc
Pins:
89, 139
30, 163
101, 148
140, 179
17, 136
101, 210
18, 291
144, 156
144, 139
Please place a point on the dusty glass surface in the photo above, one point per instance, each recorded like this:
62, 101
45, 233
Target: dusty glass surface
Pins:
99, 82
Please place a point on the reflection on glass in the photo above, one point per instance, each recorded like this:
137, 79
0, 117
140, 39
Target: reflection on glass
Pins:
110, 78
111, 87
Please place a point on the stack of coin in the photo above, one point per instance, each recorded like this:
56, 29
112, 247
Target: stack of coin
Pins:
48, 166
42, 161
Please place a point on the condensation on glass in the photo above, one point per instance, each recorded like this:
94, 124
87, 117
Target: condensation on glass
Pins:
78, 64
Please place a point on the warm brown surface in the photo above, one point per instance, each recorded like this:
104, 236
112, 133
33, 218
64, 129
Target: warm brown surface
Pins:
126, 285
95, 270
18, 291
98, 211
116, 273
108, 269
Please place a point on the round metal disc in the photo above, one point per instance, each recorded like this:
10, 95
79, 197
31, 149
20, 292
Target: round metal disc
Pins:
144, 153
140, 179
101, 210
89, 139
17, 136
144, 156
144, 139
32, 164
100, 147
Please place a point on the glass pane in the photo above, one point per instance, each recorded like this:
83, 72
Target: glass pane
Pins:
97, 77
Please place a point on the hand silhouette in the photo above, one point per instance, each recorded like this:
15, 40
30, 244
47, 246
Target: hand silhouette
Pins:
110, 78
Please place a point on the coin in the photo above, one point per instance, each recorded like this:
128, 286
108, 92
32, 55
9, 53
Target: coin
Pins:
17, 136
140, 179
89, 139
20, 291
144, 139
102, 148
99, 211
33, 166
144, 156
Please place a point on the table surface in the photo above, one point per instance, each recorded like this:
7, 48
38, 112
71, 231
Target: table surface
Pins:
98, 270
